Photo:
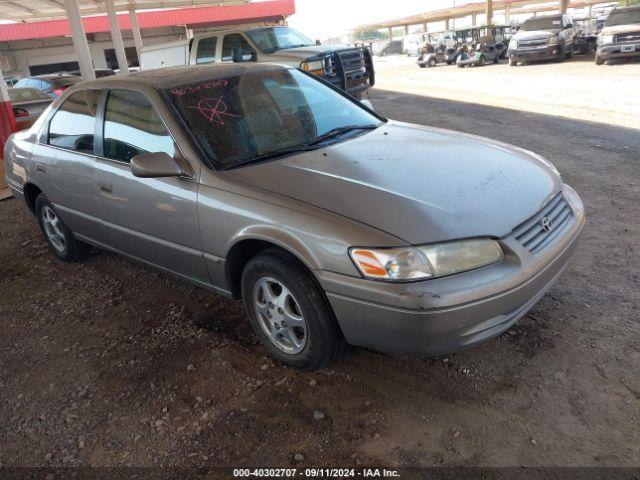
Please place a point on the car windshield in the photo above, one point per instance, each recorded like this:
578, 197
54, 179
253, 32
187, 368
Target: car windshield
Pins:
26, 95
542, 23
272, 39
623, 17
243, 119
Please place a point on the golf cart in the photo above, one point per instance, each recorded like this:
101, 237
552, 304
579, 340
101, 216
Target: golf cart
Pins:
479, 56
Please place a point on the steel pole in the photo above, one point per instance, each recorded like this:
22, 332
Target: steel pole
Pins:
80, 43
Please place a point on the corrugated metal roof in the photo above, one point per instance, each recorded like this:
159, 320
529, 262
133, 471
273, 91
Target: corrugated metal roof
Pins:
212, 15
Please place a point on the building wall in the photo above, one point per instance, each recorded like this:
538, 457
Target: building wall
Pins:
28, 53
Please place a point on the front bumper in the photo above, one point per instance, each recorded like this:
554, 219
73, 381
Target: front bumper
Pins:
608, 52
548, 52
439, 316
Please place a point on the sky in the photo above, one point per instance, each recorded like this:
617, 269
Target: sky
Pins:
320, 19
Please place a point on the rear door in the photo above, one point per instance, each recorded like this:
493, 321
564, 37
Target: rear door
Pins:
152, 219
232, 41
64, 160
205, 50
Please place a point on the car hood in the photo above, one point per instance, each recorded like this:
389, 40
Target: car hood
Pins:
522, 35
632, 27
419, 184
302, 53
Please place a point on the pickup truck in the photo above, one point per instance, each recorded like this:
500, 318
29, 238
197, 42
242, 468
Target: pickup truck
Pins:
348, 68
620, 37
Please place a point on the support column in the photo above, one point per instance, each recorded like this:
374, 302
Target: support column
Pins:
424, 27
489, 12
406, 30
507, 14
80, 43
116, 38
474, 19
390, 33
446, 24
137, 36
563, 6
7, 127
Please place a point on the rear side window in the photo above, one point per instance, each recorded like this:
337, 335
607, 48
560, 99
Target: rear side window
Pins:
73, 125
207, 50
233, 41
132, 126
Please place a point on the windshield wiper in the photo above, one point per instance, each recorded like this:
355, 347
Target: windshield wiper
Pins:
271, 155
338, 131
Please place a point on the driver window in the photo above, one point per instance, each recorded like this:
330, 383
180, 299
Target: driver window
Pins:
73, 125
233, 41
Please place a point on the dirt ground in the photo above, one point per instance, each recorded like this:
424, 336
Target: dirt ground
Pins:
107, 362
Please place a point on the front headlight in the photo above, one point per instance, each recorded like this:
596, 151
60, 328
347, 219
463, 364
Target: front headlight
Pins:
553, 40
429, 261
605, 39
316, 67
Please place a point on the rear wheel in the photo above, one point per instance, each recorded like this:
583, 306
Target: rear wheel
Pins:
513, 62
432, 62
289, 312
599, 60
56, 233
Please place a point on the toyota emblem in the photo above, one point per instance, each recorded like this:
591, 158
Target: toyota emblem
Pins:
546, 224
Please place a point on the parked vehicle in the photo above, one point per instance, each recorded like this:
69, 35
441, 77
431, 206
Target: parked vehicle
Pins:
479, 56
411, 45
330, 222
99, 72
52, 84
542, 38
11, 81
394, 47
430, 56
27, 104
620, 37
348, 68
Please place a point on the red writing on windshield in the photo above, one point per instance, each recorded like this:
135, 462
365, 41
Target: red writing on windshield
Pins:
180, 91
213, 109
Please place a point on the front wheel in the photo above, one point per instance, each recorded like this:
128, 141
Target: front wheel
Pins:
56, 233
599, 60
289, 312
432, 62
513, 62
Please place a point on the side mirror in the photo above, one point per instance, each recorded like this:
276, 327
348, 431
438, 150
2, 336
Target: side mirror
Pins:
156, 165
318, 42
368, 104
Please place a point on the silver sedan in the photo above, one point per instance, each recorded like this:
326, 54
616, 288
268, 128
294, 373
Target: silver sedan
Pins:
333, 224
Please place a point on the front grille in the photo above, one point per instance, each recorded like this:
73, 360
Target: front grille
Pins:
533, 235
628, 37
533, 43
352, 61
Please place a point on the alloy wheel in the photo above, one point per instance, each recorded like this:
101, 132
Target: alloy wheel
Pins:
279, 315
53, 229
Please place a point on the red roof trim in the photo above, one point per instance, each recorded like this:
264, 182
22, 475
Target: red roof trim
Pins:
251, 12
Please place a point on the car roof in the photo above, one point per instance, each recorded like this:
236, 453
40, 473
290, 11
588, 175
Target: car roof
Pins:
162, 78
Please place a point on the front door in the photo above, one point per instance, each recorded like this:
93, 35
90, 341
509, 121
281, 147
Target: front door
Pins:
153, 219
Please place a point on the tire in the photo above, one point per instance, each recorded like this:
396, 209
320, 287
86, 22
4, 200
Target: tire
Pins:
481, 62
56, 233
599, 60
513, 62
278, 292
432, 62
422, 65
496, 60
569, 54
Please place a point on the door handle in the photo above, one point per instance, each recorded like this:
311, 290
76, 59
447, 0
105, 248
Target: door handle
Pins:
105, 187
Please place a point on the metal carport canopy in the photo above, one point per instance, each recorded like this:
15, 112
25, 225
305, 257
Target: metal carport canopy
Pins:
34, 10
475, 8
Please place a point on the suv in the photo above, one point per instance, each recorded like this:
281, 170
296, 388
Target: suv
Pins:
345, 67
52, 85
620, 37
542, 38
